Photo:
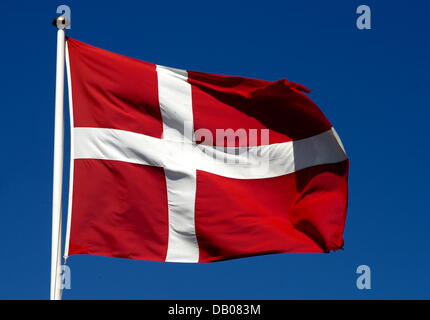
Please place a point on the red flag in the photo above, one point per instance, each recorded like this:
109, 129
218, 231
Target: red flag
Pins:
183, 166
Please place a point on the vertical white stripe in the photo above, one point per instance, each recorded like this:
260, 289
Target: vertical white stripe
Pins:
181, 192
174, 94
72, 154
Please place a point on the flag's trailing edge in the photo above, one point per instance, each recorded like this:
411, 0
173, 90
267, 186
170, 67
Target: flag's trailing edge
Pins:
142, 188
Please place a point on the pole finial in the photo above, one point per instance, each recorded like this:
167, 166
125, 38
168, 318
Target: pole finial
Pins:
64, 21
60, 22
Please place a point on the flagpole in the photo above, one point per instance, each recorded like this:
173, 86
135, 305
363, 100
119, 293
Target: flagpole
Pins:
57, 188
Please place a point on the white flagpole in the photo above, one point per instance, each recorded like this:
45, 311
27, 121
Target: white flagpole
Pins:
58, 163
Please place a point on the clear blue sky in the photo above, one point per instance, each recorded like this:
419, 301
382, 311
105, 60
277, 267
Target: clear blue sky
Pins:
372, 84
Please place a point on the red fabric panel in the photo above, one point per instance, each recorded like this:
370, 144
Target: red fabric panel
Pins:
222, 102
113, 91
119, 210
300, 212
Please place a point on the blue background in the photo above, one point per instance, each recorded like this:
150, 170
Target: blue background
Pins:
372, 84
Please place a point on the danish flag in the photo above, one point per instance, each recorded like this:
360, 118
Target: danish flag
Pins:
182, 166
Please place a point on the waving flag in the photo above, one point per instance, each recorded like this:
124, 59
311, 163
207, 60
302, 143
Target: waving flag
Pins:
183, 166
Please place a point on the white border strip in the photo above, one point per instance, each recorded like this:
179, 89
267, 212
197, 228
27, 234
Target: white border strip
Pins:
72, 154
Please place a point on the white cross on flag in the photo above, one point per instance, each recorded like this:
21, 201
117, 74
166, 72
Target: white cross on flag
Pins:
181, 166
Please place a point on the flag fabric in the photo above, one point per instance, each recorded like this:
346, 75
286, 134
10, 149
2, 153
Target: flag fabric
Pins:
183, 166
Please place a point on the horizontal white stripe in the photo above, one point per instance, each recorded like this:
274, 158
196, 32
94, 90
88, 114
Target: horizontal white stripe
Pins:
248, 163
